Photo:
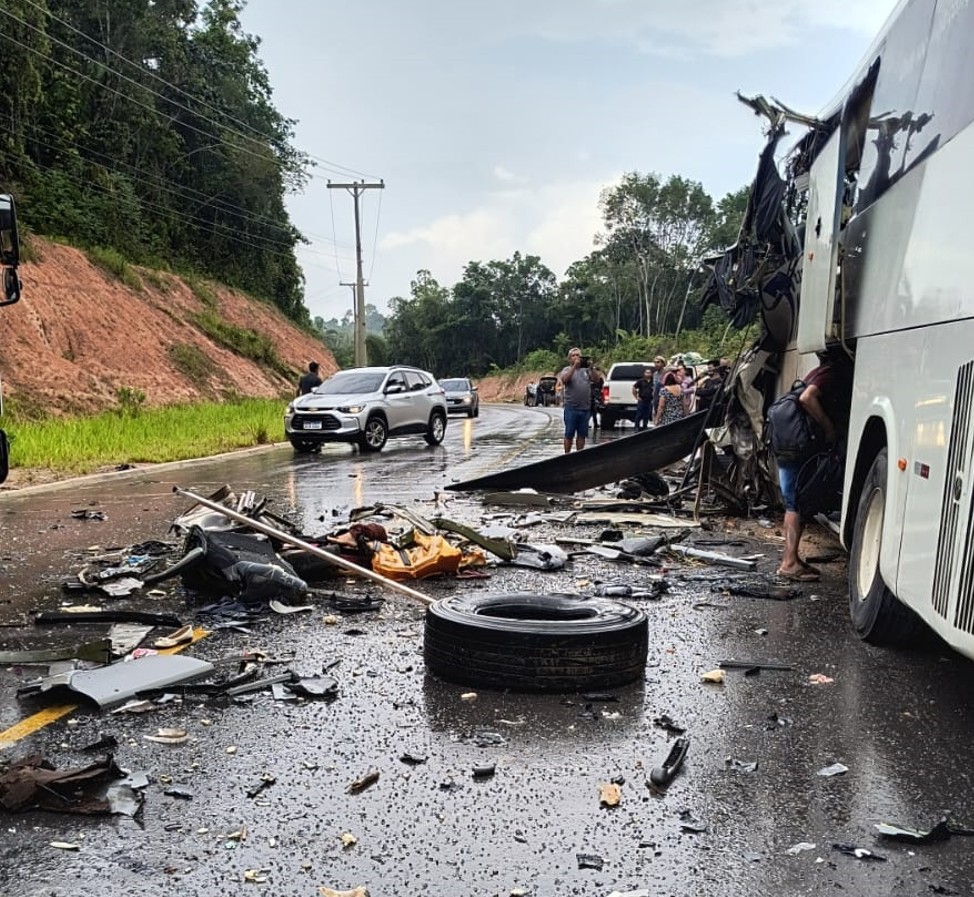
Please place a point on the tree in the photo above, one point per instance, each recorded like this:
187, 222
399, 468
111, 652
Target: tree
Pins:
663, 228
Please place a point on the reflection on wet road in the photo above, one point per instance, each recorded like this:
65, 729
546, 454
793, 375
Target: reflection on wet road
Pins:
899, 721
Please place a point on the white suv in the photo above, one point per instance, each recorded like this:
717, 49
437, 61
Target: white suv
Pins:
367, 406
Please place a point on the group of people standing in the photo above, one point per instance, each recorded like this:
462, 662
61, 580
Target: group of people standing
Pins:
667, 393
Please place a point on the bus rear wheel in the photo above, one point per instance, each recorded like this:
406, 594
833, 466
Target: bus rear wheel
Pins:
878, 616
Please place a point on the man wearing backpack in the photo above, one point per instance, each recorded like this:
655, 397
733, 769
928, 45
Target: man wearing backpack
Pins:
825, 400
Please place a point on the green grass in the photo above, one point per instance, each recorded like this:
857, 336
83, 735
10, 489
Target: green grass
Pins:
112, 261
193, 363
173, 433
243, 341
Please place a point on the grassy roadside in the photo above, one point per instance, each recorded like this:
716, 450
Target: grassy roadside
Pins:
80, 445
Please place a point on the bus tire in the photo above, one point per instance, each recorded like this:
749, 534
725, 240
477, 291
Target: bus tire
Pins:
878, 616
535, 642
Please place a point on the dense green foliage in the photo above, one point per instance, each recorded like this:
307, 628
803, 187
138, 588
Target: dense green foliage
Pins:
133, 434
635, 296
146, 128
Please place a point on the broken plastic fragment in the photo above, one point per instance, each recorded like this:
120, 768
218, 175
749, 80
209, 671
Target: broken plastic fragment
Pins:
590, 861
688, 823
331, 892
820, 679
741, 765
315, 687
835, 769
65, 845
168, 736
714, 676
412, 759
181, 636
664, 721
800, 847
484, 772
468, 697
940, 832
367, 781
178, 793
348, 840
661, 776
279, 607
860, 853
610, 794
266, 780
256, 876
136, 707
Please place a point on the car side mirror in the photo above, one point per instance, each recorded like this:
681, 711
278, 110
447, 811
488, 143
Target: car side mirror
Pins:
473, 388
395, 388
11, 286
9, 241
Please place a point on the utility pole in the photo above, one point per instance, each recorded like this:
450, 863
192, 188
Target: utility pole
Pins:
354, 286
357, 188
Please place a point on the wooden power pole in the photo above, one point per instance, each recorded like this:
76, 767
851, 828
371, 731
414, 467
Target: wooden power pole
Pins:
357, 188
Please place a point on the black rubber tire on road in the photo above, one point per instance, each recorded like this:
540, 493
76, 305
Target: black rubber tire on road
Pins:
878, 616
535, 642
375, 435
436, 429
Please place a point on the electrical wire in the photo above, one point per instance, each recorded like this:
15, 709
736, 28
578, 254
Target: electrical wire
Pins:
329, 165
375, 236
261, 138
173, 188
264, 143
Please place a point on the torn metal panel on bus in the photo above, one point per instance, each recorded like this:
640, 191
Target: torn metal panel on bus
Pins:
760, 278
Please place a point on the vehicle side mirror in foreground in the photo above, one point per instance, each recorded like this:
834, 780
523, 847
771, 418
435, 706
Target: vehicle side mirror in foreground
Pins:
394, 388
9, 241
11, 286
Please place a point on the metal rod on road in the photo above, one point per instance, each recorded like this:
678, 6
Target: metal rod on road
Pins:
306, 546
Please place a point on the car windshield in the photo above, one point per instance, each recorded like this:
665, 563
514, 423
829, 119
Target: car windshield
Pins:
454, 385
351, 383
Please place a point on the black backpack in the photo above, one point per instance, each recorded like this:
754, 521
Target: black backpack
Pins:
793, 434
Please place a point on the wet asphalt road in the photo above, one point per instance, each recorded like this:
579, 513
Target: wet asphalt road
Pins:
900, 722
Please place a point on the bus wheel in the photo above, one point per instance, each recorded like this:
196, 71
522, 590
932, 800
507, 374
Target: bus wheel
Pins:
878, 616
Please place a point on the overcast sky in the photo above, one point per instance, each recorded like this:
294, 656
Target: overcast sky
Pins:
495, 123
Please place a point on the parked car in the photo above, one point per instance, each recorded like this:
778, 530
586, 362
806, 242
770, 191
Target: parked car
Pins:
544, 392
367, 406
461, 396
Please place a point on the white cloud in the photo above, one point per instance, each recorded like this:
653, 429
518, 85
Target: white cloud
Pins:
724, 28
503, 174
557, 223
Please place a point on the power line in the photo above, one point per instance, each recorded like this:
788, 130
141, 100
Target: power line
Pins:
174, 188
227, 232
263, 138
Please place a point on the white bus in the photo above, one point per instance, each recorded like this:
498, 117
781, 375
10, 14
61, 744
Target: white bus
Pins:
882, 184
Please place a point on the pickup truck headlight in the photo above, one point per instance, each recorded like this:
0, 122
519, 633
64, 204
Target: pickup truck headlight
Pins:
351, 409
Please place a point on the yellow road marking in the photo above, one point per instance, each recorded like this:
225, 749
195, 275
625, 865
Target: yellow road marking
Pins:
49, 715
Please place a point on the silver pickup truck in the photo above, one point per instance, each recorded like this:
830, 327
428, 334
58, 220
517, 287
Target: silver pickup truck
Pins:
618, 402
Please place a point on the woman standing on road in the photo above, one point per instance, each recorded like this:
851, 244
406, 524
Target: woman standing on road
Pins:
670, 407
